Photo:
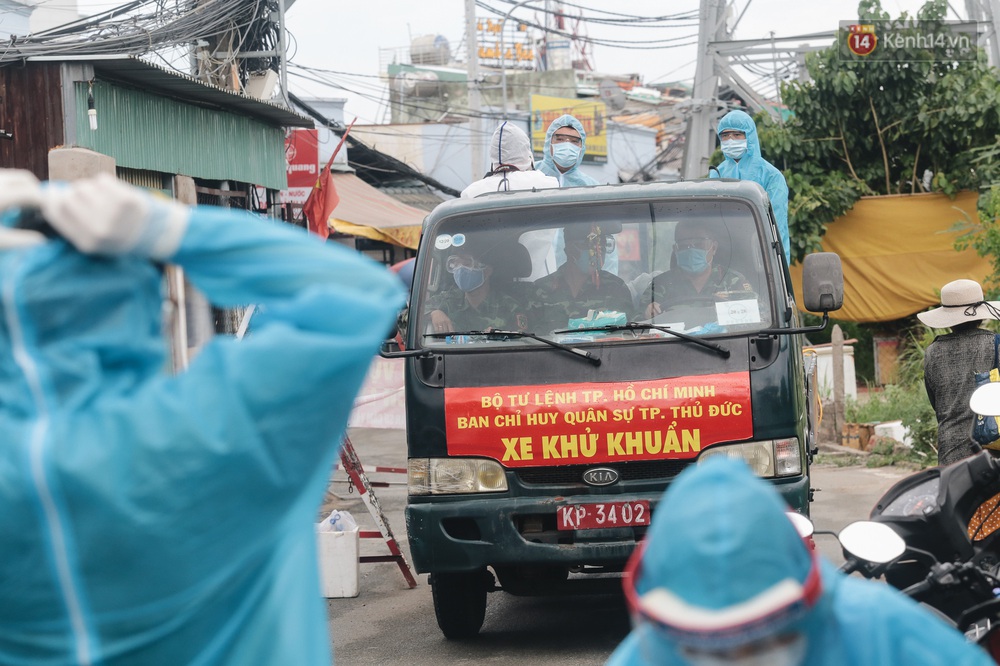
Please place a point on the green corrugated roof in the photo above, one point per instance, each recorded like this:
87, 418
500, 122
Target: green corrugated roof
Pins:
145, 131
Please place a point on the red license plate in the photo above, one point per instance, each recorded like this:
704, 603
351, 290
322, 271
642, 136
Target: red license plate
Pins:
603, 515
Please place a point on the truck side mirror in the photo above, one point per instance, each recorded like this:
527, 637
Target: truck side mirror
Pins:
822, 282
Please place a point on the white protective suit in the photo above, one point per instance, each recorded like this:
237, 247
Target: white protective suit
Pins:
512, 165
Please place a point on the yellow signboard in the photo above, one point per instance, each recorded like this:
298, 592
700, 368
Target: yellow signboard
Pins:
592, 115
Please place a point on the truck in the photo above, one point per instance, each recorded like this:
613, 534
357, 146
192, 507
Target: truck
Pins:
541, 431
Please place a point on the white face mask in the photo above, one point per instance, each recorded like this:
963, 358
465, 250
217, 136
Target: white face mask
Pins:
780, 654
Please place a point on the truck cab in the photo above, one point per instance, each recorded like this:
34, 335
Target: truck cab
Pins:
569, 352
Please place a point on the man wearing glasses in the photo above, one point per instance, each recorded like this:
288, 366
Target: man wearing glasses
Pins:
693, 276
565, 144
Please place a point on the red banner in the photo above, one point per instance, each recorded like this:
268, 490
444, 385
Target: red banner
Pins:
568, 424
302, 157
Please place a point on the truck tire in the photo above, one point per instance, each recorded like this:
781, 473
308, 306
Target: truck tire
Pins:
459, 602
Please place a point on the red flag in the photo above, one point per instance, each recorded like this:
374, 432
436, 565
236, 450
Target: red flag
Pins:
319, 206
324, 198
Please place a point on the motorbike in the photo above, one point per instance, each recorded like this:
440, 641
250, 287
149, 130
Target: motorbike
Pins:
935, 535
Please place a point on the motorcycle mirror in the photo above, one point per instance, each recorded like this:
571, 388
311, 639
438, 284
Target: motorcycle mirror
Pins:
985, 400
803, 525
873, 542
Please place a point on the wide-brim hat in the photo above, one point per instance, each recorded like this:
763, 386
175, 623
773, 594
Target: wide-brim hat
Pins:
961, 301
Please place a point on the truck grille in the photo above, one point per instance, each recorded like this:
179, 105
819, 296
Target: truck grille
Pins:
646, 470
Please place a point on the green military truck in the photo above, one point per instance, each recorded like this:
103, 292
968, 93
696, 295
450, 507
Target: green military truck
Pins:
569, 352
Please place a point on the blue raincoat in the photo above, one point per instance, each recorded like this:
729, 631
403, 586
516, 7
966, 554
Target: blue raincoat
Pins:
752, 166
149, 518
574, 177
720, 537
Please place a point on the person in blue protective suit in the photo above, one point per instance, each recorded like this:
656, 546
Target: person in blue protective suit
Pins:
741, 147
155, 518
723, 577
565, 145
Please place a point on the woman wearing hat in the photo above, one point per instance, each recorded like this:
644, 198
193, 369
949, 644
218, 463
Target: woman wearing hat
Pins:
951, 361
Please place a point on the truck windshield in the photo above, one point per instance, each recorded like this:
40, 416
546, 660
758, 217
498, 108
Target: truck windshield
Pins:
692, 266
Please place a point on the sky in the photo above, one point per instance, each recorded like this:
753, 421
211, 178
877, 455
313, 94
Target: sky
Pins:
346, 37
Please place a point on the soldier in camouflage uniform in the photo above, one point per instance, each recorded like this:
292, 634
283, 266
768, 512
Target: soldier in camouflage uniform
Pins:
473, 305
579, 285
695, 277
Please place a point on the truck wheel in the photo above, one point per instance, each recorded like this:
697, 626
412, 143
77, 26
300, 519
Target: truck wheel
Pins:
459, 602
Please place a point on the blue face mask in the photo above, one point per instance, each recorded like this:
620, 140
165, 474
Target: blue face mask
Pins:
734, 148
469, 279
693, 260
565, 154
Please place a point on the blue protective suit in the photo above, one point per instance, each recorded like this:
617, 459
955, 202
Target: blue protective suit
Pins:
752, 166
720, 537
149, 518
574, 177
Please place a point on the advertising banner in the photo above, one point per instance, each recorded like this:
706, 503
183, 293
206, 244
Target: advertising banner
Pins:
302, 163
572, 424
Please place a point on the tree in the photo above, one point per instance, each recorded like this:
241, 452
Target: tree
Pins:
876, 126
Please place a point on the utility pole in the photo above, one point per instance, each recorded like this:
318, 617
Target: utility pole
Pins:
698, 141
988, 11
472, 72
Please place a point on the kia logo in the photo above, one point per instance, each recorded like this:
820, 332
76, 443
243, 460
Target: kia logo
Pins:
600, 476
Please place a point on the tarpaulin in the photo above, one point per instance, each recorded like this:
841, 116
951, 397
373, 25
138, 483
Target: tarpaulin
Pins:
365, 211
897, 252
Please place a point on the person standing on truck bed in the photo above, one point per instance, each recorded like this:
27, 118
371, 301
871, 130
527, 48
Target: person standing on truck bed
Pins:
738, 139
511, 165
695, 276
579, 284
473, 304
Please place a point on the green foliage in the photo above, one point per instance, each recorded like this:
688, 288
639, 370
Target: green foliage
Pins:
907, 401
863, 127
908, 404
984, 237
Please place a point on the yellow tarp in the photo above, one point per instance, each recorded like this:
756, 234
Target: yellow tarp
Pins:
364, 211
897, 252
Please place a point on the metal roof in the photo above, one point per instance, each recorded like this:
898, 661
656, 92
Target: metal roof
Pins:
171, 83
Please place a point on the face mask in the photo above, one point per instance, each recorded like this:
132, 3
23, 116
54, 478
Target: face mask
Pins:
734, 148
469, 279
693, 260
786, 654
565, 154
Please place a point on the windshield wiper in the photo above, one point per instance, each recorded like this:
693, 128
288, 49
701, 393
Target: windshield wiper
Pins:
498, 335
637, 326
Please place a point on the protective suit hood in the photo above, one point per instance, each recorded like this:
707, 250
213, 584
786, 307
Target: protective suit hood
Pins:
713, 557
739, 120
573, 177
510, 146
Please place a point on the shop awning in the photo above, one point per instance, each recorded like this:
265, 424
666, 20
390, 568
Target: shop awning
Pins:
365, 211
898, 251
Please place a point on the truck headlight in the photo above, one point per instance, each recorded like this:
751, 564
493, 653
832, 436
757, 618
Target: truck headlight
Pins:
452, 476
768, 458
